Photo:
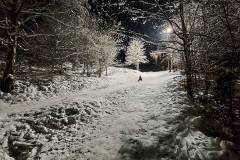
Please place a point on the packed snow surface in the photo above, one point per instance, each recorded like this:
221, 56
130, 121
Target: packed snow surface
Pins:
118, 119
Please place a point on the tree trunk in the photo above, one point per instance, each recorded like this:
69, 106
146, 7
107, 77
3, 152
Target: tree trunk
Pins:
207, 84
188, 70
106, 68
137, 66
187, 52
8, 80
88, 72
100, 68
84, 68
169, 67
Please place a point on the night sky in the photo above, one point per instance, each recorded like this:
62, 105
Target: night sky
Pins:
110, 10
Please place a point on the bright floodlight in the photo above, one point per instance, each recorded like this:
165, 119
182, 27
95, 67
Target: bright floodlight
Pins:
168, 30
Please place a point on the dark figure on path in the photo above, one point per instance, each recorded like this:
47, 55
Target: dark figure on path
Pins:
140, 78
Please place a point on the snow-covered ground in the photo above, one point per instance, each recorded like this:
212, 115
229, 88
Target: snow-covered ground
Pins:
43, 88
118, 119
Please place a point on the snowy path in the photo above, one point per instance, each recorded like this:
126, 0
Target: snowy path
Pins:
138, 124
135, 130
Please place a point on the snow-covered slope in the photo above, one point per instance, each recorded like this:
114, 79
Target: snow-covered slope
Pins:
119, 120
